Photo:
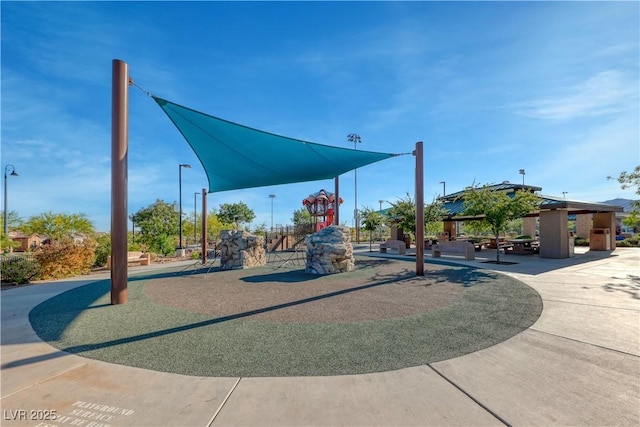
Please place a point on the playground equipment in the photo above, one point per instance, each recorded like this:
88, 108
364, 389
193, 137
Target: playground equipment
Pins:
321, 204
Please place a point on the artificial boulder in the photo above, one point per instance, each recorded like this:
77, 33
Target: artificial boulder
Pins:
329, 251
241, 249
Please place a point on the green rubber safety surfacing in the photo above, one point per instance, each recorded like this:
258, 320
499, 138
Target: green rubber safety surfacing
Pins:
489, 308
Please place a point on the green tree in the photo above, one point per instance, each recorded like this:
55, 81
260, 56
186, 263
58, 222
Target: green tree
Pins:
261, 229
103, 250
14, 222
159, 227
301, 217
302, 221
235, 213
498, 207
58, 226
403, 213
371, 221
631, 180
215, 226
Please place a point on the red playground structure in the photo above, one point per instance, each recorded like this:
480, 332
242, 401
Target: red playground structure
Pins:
321, 204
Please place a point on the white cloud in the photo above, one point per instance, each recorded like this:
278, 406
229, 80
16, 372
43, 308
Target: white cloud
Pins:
605, 93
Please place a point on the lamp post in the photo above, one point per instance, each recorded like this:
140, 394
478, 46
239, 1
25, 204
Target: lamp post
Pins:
521, 172
195, 218
180, 166
272, 196
6, 210
564, 194
444, 188
355, 138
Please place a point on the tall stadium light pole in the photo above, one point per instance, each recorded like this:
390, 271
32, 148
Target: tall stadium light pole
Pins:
355, 138
195, 218
180, 166
444, 188
521, 172
272, 196
6, 211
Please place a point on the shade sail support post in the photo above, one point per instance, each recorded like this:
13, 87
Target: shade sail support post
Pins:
119, 154
336, 203
419, 209
204, 226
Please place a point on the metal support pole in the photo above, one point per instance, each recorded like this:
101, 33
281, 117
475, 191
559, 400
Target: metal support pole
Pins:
336, 203
180, 204
119, 148
6, 203
204, 226
419, 210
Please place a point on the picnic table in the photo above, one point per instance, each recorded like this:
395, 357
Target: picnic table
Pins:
525, 246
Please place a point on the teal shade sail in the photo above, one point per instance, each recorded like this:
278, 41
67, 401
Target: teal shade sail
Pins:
236, 156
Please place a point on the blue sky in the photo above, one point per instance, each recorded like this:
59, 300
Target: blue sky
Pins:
491, 88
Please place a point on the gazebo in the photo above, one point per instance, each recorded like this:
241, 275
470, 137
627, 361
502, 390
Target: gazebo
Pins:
596, 221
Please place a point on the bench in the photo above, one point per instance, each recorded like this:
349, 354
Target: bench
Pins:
134, 258
454, 247
398, 245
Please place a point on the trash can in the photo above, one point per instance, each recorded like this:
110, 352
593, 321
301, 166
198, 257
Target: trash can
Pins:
572, 244
600, 239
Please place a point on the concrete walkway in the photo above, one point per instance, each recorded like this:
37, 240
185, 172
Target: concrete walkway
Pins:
579, 364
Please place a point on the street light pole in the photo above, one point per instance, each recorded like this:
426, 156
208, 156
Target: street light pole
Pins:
195, 218
272, 196
521, 172
6, 210
355, 138
444, 188
180, 166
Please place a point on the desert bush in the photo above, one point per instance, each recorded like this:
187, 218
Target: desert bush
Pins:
65, 258
103, 250
630, 242
579, 241
20, 270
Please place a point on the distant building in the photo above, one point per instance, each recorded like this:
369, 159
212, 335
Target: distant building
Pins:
27, 242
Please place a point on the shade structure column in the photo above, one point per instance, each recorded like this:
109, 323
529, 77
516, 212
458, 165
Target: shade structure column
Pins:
204, 226
419, 209
119, 152
554, 241
336, 204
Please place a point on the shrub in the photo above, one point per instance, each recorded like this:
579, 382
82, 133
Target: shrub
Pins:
579, 241
633, 241
20, 270
65, 258
103, 250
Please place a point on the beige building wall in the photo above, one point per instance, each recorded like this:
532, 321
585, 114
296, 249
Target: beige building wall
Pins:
529, 226
583, 225
554, 237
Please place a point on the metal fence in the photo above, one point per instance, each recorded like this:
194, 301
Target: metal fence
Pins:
11, 258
